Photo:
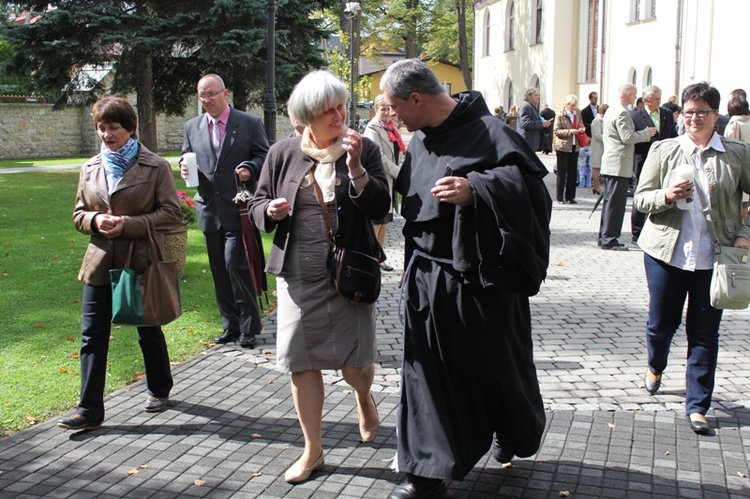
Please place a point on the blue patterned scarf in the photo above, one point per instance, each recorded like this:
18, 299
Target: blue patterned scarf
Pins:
116, 163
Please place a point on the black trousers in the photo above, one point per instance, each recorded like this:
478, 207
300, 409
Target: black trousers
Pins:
95, 332
235, 297
567, 175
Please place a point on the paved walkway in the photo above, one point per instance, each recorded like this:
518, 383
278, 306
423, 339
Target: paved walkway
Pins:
231, 429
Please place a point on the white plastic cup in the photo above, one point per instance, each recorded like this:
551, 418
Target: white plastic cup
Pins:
685, 172
192, 166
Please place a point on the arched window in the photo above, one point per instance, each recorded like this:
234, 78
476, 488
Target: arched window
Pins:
486, 46
510, 30
633, 75
535, 82
508, 94
648, 78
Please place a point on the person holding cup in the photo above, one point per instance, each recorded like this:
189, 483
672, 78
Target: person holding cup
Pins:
677, 244
230, 147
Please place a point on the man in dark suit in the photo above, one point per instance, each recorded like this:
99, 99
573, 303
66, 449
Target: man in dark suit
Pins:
590, 112
650, 116
530, 125
230, 148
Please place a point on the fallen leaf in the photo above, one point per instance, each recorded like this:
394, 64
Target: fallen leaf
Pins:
270, 382
55, 256
506, 465
199, 483
38, 324
255, 435
77, 300
73, 356
143, 466
564, 493
132, 471
666, 453
611, 426
559, 264
140, 376
741, 474
257, 474
5, 273
70, 338
267, 354
348, 392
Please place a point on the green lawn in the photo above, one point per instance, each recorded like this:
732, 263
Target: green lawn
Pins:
40, 305
70, 160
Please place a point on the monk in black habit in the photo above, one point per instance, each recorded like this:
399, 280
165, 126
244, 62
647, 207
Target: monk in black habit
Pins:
477, 246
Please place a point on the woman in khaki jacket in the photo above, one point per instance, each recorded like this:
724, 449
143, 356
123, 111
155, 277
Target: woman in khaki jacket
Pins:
568, 123
677, 243
122, 191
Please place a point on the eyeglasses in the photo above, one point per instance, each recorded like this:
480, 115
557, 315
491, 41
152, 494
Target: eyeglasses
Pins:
700, 113
209, 95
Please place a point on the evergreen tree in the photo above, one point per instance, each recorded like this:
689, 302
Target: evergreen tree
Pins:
160, 48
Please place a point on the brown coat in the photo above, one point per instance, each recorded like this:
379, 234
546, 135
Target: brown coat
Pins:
564, 131
146, 192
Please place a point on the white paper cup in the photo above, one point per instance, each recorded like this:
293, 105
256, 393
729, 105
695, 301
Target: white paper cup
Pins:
190, 161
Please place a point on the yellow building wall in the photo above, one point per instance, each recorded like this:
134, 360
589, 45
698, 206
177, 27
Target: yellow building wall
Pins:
445, 74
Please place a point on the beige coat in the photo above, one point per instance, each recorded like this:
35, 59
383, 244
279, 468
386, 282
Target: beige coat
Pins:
564, 131
145, 193
619, 140
597, 146
379, 135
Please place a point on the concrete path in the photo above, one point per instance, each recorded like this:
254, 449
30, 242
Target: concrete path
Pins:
231, 430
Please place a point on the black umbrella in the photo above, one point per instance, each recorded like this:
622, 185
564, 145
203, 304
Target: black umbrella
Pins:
256, 259
596, 205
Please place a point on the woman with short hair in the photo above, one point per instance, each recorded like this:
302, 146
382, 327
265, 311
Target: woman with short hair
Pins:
317, 328
568, 123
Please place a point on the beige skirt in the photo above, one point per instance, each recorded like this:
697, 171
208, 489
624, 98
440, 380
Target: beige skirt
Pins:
317, 328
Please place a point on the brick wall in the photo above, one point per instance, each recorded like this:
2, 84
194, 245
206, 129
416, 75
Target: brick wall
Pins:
36, 131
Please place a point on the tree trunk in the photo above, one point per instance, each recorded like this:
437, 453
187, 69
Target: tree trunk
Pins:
144, 90
463, 51
410, 36
239, 88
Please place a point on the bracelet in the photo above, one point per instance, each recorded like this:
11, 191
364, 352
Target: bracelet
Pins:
364, 172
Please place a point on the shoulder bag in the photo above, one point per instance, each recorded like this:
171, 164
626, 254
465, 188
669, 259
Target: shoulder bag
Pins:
354, 274
730, 282
149, 299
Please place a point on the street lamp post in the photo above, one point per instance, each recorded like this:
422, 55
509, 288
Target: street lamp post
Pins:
269, 107
351, 11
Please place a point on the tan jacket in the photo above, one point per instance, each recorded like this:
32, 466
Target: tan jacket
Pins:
728, 175
564, 131
619, 140
145, 193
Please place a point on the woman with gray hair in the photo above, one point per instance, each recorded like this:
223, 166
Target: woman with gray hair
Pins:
568, 123
317, 328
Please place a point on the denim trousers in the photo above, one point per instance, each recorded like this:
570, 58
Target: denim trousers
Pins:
668, 288
95, 333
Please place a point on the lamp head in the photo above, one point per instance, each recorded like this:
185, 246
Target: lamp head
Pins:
352, 8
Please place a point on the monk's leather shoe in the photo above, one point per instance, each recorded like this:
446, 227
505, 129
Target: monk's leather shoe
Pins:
247, 341
501, 451
227, 336
76, 422
699, 427
155, 404
421, 488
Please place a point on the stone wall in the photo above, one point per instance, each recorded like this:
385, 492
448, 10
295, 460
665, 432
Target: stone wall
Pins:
36, 131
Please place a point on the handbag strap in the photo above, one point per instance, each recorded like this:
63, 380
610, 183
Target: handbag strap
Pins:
324, 208
707, 212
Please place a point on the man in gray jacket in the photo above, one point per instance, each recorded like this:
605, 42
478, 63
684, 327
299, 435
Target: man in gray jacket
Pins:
619, 140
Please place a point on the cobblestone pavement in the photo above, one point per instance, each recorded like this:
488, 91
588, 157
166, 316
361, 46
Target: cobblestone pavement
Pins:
231, 430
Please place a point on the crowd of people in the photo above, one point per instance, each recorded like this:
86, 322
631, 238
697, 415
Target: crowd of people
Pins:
467, 353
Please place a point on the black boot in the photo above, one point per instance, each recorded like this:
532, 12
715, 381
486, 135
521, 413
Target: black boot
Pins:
227, 336
417, 487
501, 450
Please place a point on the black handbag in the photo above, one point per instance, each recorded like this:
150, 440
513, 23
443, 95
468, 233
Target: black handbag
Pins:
355, 274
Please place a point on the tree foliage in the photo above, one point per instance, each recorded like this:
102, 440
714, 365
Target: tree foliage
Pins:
160, 48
